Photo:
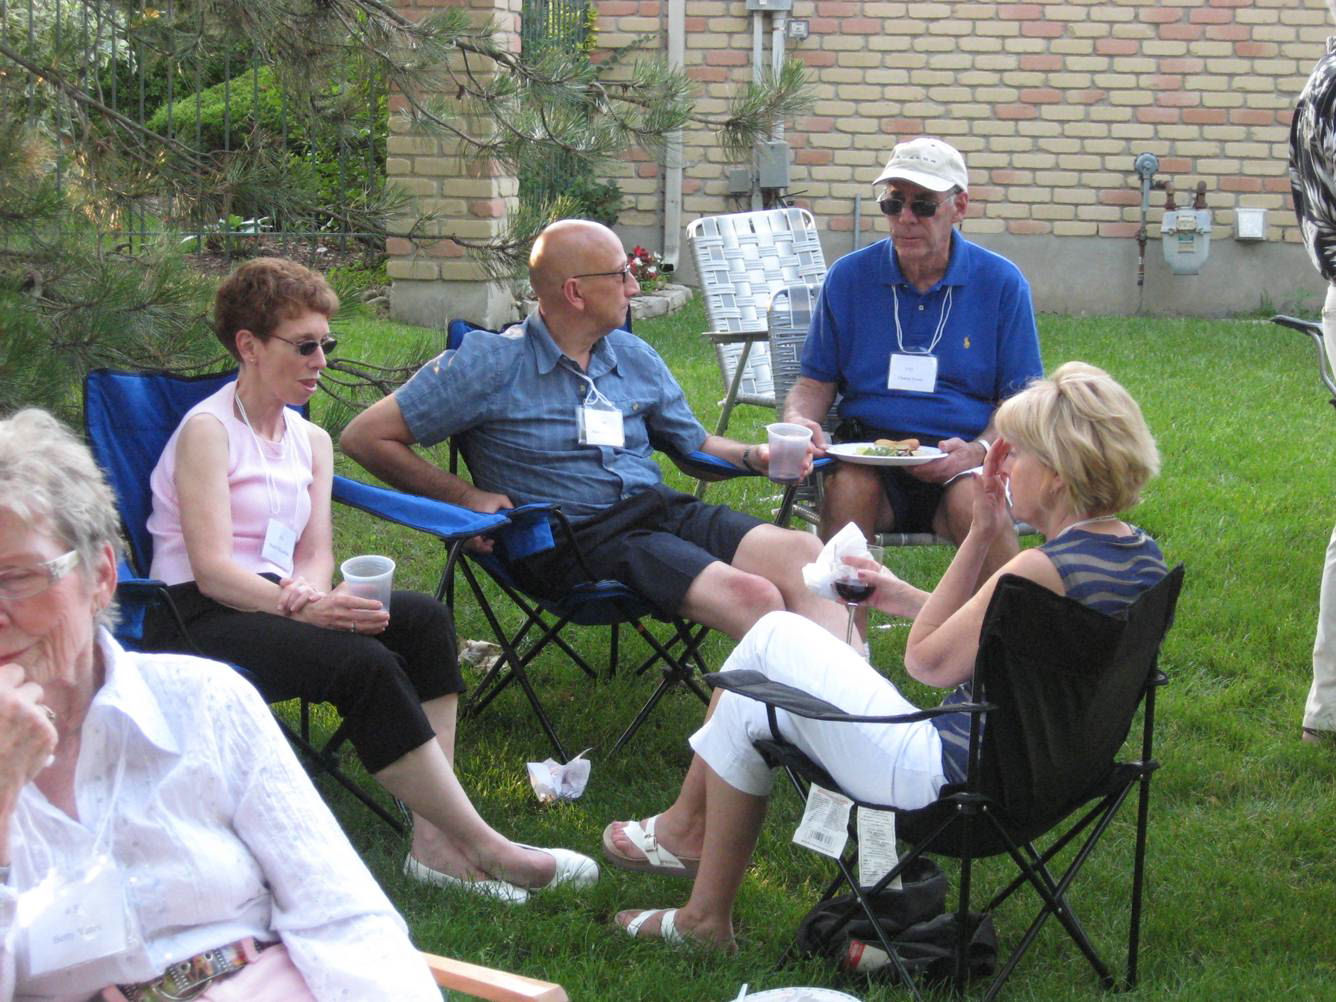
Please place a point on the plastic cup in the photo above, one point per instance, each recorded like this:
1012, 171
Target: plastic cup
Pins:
369, 576
788, 450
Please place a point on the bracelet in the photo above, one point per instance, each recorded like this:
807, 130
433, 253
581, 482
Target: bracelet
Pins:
986, 446
746, 460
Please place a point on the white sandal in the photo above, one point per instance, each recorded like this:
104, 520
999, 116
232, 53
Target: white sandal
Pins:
657, 859
667, 927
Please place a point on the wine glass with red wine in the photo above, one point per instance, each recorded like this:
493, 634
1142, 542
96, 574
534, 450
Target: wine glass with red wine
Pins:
854, 590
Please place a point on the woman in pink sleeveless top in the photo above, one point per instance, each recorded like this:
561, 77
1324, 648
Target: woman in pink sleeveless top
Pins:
242, 532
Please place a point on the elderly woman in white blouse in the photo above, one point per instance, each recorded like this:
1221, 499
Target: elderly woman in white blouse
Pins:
158, 838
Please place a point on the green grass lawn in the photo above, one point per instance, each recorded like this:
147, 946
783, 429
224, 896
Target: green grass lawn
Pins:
1242, 874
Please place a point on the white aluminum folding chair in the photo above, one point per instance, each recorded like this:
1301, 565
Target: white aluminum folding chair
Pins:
742, 260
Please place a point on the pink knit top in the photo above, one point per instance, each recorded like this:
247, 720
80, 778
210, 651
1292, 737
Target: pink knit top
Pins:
253, 495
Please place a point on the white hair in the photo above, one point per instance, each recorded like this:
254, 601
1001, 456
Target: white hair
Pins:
49, 479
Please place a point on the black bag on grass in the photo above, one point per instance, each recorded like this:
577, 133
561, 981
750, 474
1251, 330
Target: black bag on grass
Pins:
913, 918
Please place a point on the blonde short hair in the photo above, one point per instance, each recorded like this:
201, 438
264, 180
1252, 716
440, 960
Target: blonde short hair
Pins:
50, 481
1085, 427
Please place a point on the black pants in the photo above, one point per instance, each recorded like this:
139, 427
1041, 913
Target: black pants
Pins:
377, 684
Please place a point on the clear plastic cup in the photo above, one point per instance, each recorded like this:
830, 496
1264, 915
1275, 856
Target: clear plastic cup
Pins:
369, 576
788, 450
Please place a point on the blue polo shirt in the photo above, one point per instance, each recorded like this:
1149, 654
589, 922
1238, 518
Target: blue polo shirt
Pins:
512, 398
989, 347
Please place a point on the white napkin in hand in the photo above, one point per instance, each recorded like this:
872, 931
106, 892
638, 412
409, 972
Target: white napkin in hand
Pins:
820, 575
553, 781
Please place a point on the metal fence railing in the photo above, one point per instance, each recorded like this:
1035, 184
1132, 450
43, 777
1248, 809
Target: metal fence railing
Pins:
545, 25
121, 94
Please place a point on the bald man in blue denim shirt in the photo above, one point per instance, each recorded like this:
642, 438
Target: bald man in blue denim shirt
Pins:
567, 409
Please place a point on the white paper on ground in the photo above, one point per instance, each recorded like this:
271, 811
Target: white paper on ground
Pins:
553, 781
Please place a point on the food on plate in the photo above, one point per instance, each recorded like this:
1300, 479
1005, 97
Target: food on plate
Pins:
890, 447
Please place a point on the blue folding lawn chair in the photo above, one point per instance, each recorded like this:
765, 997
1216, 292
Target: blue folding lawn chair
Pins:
598, 604
128, 418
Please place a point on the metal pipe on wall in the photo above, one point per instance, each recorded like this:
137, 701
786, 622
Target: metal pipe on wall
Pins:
758, 54
673, 162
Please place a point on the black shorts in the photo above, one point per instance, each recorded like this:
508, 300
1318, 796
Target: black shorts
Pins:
914, 502
655, 542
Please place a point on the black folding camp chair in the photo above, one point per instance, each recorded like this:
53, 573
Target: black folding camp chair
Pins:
1314, 331
128, 418
1056, 688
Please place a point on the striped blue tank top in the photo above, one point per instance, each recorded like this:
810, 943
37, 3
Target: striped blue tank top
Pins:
1101, 571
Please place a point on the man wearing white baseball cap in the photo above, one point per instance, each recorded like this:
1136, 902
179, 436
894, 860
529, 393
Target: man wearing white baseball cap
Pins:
922, 335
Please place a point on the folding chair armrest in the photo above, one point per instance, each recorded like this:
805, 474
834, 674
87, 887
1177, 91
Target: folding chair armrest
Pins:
755, 685
488, 983
141, 588
704, 466
438, 518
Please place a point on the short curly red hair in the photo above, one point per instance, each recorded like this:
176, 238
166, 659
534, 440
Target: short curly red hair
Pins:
262, 293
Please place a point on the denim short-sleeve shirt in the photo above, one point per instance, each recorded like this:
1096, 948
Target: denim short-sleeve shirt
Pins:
512, 400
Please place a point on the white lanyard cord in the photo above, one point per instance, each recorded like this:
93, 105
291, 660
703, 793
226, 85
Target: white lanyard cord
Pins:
271, 487
594, 395
936, 335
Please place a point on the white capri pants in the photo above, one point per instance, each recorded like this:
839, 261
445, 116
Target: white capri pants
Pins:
896, 764
1320, 709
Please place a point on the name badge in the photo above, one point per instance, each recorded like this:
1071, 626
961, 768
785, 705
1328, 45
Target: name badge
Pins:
280, 541
915, 373
601, 426
73, 921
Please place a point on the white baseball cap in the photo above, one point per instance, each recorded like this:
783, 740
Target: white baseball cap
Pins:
929, 163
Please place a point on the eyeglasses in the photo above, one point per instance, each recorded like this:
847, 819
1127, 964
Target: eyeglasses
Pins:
922, 207
307, 348
25, 582
623, 273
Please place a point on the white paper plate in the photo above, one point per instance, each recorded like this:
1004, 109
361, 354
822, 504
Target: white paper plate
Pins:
848, 451
799, 995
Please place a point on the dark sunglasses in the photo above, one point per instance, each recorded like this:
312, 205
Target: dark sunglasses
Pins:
922, 207
307, 348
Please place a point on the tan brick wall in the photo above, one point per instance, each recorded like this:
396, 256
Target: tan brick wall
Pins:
468, 199
1049, 101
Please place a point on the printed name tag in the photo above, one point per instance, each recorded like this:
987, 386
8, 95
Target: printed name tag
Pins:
601, 426
71, 922
915, 373
280, 541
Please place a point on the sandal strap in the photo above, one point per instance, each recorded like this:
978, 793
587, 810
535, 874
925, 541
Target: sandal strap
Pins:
642, 837
667, 926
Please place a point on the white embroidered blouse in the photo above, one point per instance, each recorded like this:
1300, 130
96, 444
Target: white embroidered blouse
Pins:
219, 835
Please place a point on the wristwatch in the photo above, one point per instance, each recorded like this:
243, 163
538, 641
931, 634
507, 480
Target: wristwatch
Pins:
986, 446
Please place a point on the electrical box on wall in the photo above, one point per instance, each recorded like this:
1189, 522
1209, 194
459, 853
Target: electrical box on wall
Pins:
772, 164
739, 180
770, 4
1250, 224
